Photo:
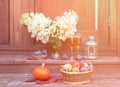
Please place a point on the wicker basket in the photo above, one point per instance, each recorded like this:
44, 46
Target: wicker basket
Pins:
40, 57
76, 77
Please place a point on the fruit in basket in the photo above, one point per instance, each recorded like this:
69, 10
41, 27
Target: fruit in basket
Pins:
82, 63
83, 69
76, 65
41, 72
44, 52
40, 52
67, 67
89, 68
37, 53
75, 69
86, 64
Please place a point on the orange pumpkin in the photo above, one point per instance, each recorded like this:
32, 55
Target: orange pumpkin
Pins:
41, 72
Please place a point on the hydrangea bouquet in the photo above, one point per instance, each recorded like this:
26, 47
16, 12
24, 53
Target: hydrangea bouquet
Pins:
47, 30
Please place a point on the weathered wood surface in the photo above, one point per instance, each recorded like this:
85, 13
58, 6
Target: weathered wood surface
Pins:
20, 64
17, 80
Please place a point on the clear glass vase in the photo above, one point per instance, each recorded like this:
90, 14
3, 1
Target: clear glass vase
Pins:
56, 45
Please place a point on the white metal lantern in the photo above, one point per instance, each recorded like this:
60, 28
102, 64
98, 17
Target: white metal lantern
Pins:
91, 48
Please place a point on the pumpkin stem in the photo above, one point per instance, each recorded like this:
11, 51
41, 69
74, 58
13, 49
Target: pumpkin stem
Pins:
43, 64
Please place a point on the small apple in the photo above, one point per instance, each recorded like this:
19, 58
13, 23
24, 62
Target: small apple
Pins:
75, 69
76, 65
67, 67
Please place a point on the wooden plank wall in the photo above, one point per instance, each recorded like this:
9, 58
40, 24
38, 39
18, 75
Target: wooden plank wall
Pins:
21, 6
55, 8
118, 27
17, 37
4, 22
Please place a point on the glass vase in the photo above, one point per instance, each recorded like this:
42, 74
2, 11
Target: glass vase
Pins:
56, 45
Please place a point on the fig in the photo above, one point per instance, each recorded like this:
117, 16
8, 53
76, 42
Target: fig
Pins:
44, 52
65, 56
89, 68
37, 53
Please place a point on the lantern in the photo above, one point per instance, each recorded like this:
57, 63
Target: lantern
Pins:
91, 48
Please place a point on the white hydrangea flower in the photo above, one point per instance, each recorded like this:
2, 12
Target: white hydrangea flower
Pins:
64, 26
42, 29
37, 24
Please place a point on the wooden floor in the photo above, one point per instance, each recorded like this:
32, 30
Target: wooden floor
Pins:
15, 69
18, 80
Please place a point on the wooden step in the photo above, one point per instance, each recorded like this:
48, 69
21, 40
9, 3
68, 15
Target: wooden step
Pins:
20, 64
18, 80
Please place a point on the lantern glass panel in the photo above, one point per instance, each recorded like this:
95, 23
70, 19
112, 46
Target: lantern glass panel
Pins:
91, 48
